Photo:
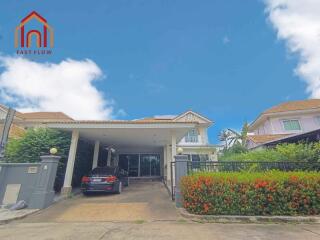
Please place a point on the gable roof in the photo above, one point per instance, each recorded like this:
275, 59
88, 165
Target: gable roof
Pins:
208, 121
174, 118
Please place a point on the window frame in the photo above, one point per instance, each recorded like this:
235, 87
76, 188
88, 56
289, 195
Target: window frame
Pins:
188, 138
290, 120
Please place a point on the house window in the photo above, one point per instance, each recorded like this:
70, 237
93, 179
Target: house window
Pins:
291, 125
196, 160
192, 136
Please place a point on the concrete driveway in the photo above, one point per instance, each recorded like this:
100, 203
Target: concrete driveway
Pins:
142, 211
141, 201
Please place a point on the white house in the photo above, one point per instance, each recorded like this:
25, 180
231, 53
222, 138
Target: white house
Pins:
144, 147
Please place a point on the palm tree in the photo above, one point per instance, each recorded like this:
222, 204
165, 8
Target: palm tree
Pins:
224, 137
236, 137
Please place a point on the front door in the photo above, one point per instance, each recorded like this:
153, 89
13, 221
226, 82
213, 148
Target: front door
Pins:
140, 165
149, 165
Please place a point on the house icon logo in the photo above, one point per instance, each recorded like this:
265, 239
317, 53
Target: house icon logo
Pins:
39, 37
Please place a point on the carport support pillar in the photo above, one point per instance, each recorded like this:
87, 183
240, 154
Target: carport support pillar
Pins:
173, 154
168, 162
95, 154
70, 164
181, 169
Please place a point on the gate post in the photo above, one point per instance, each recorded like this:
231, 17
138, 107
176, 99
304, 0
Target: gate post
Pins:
181, 169
43, 193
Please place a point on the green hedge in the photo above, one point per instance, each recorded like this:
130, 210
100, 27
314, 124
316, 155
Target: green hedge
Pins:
241, 193
282, 152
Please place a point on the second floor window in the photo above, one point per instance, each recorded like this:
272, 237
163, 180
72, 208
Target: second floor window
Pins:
291, 125
192, 136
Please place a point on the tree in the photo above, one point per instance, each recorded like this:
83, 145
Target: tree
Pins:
224, 137
36, 142
242, 137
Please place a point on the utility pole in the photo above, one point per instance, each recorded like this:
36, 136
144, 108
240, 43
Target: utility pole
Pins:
6, 129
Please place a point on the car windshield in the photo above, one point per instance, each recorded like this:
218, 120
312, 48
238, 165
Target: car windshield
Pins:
104, 171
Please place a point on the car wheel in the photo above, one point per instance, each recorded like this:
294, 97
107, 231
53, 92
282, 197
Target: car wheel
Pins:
119, 190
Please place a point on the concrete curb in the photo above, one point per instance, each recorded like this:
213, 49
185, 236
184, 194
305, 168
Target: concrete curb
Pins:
9, 219
249, 219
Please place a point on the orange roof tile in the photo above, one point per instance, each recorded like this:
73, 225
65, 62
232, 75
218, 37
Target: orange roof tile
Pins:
294, 106
266, 138
54, 116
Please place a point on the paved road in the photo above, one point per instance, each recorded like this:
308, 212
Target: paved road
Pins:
157, 230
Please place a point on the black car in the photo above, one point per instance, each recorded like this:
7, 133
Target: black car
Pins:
104, 179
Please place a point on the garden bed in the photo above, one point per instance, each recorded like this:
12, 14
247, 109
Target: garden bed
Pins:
272, 193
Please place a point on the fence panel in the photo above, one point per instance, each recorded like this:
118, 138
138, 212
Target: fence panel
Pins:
252, 166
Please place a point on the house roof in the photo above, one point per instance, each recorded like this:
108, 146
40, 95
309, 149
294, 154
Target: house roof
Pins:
61, 118
117, 122
164, 118
194, 113
310, 136
259, 139
294, 106
52, 116
172, 118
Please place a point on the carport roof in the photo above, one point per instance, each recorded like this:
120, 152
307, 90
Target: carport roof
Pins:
120, 134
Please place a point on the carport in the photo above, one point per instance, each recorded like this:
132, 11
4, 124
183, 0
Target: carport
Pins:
146, 148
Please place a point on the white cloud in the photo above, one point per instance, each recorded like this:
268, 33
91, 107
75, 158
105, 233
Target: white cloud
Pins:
298, 23
226, 40
66, 86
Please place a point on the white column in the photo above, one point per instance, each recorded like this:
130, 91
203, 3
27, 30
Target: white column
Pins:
174, 146
70, 164
168, 158
173, 153
95, 154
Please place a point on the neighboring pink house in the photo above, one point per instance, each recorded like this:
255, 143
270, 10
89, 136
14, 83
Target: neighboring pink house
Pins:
283, 120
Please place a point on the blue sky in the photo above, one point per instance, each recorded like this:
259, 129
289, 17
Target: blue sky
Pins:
221, 58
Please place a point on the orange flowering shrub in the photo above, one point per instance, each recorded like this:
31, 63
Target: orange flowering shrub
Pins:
242, 193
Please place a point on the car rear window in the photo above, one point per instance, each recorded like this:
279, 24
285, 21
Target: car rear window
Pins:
107, 171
